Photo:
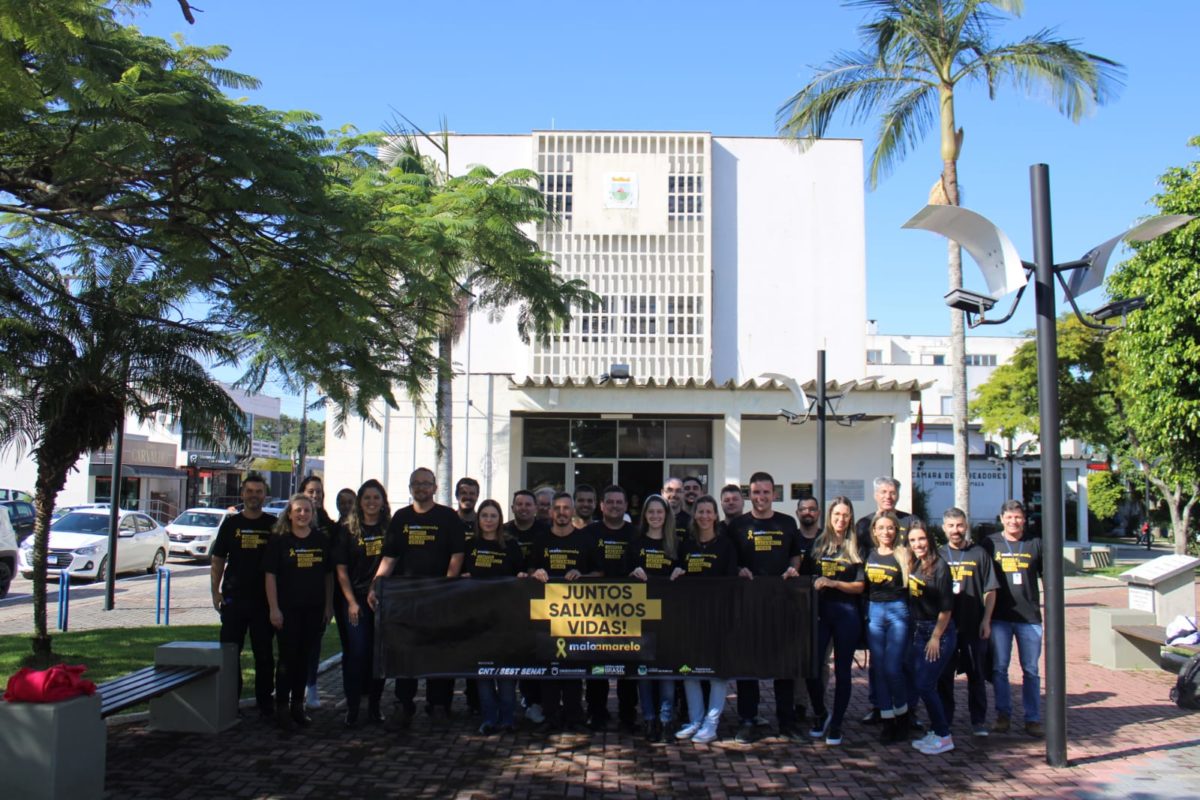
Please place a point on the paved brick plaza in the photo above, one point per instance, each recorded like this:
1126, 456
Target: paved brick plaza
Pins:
1126, 740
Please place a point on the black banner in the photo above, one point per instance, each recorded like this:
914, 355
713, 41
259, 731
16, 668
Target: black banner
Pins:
521, 628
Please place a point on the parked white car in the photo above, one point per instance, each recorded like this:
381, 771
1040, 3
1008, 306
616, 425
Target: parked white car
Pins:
8, 552
194, 531
79, 544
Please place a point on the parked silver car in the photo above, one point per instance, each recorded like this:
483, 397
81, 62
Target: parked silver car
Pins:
79, 544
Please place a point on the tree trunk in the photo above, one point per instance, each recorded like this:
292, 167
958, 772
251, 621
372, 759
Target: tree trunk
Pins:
444, 425
1179, 509
51, 477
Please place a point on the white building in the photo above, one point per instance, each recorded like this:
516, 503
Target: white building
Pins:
717, 259
999, 469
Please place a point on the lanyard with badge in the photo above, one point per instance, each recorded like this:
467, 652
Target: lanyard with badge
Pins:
1014, 560
955, 570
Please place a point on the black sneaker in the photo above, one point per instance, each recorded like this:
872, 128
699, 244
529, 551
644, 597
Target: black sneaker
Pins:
745, 734
834, 737
820, 726
873, 718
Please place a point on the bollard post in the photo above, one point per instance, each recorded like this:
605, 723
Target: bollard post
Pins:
64, 599
162, 610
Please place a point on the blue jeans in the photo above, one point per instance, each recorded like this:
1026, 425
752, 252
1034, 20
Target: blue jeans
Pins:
497, 701
926, 673
358, 657
841, 623
888, 636
1029, 650
698, 714
657, 699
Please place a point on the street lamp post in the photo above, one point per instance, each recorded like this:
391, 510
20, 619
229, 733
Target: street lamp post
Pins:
1005, 272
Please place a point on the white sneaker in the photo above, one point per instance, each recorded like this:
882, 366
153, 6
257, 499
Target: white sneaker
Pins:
534, 714
920, 744
938, 744
688, 731
313, 699
706, 734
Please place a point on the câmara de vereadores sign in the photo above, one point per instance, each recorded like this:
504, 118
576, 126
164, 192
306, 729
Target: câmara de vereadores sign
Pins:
521, 628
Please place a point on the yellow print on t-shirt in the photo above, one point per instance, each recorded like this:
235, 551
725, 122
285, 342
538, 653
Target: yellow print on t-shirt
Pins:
562, 560
830, 567
962, 570
700, 562
307, 558
487, 559
372, 547
420, 535
251, 540
1014, 562
613, 551
881, 573
655, 560
916, 586
765, 541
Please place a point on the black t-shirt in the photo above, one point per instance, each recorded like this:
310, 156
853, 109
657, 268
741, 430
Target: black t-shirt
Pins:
360, 554
612, 547
468, 526
683, 525
525, 538
930, 595
424, 543
885, 580
242, 542
808, 565
862, 531
493, 558
558, 555
651, 556
1018, 567
300, 567
765, 546
839, 568
716, 558
971, 577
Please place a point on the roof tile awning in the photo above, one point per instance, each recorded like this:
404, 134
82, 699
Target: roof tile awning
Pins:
754, 384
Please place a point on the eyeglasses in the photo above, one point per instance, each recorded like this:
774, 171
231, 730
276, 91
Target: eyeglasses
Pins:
421, 484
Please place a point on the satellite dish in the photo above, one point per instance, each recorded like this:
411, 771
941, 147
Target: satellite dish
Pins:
991, 249
796, 389
1085, 279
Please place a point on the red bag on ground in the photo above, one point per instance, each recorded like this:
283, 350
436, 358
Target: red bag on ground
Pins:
60, 682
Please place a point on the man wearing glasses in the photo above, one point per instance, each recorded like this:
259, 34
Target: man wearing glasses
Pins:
428, 541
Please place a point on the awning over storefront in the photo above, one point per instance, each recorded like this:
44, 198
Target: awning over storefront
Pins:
137, 471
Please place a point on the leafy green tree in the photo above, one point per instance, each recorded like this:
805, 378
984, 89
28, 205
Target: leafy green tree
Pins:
86, 358
1105, 494
916, 54
466, 232
1159, 351
286, 431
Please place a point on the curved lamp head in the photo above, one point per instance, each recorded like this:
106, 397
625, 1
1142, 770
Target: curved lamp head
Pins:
795, 388
1090, 277
991, 249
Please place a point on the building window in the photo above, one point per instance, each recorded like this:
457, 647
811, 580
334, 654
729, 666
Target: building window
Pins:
947, 405
980, 360
939, 360
874, 356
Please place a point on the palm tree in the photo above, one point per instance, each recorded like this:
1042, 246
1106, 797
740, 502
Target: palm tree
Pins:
80, 358
466, 237
915, 54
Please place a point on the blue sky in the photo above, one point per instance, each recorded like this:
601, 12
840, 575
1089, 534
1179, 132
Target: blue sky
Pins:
509, 67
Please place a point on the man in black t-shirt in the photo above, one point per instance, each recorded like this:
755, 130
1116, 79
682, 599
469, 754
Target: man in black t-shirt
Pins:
973, 582
733, 505
766, 542
612, 535
672, 492
239, 587
524, 526
887, 492
564, 553
1018, 562
585, 506
692, 489
425, 540
466, 494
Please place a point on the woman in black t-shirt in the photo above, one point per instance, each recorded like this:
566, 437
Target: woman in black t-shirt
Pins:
492, 553
357, 555
838, 585
705, 554
299, 588
931, 597
654, 552
888, 625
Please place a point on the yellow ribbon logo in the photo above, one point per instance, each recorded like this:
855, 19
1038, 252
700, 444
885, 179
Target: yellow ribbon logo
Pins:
561, 651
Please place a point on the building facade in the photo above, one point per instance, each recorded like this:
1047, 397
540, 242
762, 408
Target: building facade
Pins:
717, 260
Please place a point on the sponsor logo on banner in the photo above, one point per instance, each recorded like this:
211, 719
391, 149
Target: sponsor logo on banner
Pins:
621, 190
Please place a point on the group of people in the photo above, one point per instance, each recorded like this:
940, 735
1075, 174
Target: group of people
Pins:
925, 613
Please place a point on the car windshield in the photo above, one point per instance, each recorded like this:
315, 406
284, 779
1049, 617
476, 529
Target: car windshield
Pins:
78, 522
198, 519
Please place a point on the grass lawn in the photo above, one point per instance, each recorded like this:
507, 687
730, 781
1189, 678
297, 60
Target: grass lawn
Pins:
112, 652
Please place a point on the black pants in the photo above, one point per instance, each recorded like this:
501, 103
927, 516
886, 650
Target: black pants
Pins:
299, 638
239, 618
563, 701
785, 701
969, 658
438, 692
596, 693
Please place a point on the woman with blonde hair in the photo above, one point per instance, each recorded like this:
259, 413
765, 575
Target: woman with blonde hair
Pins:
655, 552
886, 571
838, 585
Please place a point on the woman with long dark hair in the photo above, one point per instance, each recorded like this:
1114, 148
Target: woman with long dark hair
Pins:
654, 552
839, 583
705, 554
934, 637
493, 553
359, 551
299, 587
